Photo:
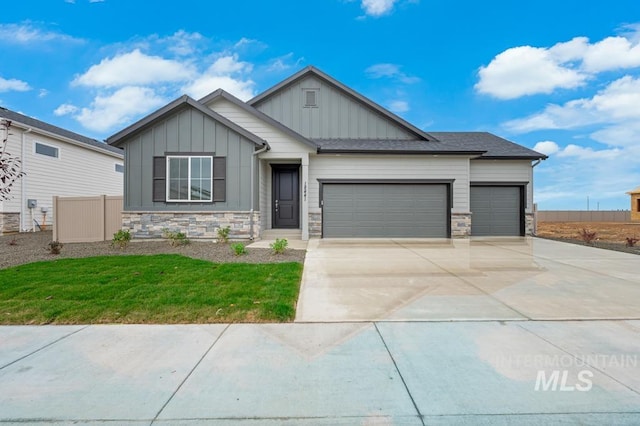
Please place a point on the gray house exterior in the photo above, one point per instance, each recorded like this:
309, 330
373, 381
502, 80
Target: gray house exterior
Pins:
313, 155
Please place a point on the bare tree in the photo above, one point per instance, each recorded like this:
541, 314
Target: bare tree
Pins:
10, 166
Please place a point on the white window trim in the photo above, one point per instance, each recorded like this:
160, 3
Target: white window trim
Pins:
168, 178
35, 142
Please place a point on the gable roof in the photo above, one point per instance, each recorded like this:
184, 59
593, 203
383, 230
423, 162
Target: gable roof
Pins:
311, 70
181, 102
50, 129
258, 114
494, 146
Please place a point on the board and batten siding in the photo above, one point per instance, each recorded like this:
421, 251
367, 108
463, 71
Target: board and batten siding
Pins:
188, 131
76, 172
279, 142
391, 167
504, 171
336, 116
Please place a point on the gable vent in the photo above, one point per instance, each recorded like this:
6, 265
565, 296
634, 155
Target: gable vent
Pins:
310, 98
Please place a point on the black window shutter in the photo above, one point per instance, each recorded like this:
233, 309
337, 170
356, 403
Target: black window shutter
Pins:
219, 178
159, 179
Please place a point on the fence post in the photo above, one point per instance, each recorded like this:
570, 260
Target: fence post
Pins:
103, 214
55, 218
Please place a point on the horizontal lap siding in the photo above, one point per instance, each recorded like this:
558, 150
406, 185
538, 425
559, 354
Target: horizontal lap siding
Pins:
279, 141
390, 167
504, 171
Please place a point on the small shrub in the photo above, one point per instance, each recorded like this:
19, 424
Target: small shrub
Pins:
238, 249
588, 236
121, 238
631, 241
176, 238
223, 234
279, 245
55, 247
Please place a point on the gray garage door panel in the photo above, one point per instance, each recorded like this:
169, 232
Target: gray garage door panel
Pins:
496, 210
384, 210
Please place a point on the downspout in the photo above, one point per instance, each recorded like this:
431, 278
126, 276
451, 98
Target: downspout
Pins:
253, 189
23, 180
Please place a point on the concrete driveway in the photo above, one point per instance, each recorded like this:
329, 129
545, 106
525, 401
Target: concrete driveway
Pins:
477, 279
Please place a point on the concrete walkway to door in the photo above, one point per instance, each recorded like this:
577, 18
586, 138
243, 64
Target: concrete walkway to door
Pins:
477, 279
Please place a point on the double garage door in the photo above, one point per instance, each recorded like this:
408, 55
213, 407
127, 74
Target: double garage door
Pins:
385, 210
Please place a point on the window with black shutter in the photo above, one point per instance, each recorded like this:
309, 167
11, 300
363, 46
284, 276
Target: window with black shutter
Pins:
219, 178
159, 179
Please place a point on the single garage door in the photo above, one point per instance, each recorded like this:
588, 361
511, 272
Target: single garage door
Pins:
385, 210
496, 210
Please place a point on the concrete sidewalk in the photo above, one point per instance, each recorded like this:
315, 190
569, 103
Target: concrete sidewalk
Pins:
384, 373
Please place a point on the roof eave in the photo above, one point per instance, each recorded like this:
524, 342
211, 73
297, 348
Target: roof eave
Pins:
513, 157
119, 137
397, 151
68, 140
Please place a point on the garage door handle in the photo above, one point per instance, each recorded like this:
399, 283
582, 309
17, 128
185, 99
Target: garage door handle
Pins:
276, 206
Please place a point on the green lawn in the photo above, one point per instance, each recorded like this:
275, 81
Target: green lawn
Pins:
147, 289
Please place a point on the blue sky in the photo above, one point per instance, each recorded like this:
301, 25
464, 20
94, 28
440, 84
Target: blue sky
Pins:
559, 76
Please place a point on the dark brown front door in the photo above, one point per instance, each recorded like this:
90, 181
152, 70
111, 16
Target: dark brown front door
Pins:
286, 197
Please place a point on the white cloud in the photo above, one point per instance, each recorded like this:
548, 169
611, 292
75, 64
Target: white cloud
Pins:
28, 33
377, 7
399, 106
525, 70
134, 68
13, 85
386, 70
615, 105
528, 70
65, 109
588, 153
225, 73
43, 93
118, 108
183, 43
546, 147
610, 54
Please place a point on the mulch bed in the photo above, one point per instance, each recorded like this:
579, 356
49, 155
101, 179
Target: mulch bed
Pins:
18, 249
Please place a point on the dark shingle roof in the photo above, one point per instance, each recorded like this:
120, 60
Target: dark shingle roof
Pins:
50, 128
495, 147
390, 146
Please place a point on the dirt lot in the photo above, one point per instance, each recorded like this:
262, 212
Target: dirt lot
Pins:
610, 235
32, 247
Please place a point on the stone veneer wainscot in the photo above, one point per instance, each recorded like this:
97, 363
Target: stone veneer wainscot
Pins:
195, 225
9, 222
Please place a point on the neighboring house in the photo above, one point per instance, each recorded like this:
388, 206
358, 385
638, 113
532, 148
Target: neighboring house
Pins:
56, 162
635, 204
313, 155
